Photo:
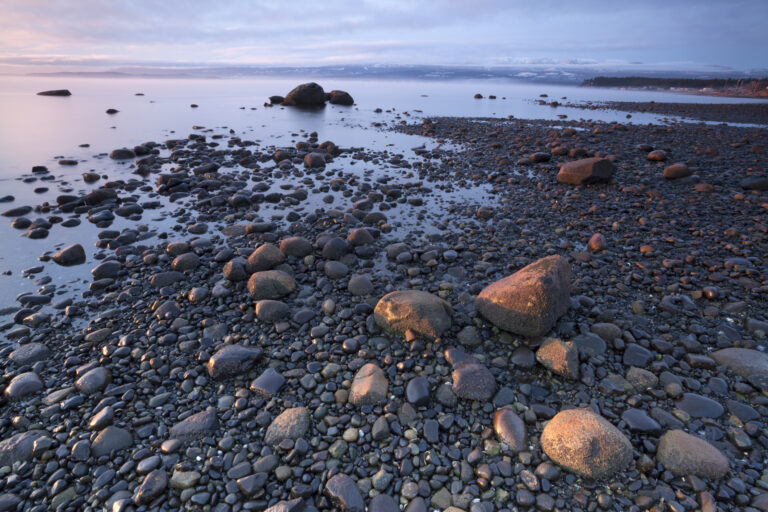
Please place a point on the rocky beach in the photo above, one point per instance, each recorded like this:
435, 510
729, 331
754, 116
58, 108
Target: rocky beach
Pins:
511, 314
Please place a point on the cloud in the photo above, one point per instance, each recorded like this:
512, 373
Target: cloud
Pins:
300, 32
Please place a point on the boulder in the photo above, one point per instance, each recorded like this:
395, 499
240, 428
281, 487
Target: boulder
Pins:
69, 256
307, 95
683, 454
340, 98
586, 171
530, 301
419, 311
584, 442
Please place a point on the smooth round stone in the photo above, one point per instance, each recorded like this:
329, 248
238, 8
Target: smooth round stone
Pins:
684, 454
24, 384
510, 429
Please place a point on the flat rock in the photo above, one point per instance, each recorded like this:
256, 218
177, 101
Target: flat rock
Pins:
196, 426
369, 386
584, 442
268, 383
638, 421
699, 406
270, 284
419, 311
586, 171
232, 361
742, 361
291, 424
683, 454
530, 301
111, 439
29, 354
55, 92
19, 447
342, 491
510, 429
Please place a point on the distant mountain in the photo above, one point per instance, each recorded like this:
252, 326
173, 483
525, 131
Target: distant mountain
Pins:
565, 74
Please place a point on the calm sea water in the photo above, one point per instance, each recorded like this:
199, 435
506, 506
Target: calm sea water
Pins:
38, 130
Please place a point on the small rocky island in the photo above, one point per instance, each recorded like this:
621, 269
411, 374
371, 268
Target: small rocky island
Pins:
311, 95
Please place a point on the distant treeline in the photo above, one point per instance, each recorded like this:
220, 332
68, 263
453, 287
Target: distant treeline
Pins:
666, 83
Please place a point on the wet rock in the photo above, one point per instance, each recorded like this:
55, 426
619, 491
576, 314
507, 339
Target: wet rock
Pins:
510, 429
163, 279
24, 384
530, 301
108, 269
340, 98
342, 491
196, 426
69, 256
100, 195
421, 312
232, 360
109, 440
559, 356
684, 454
17, 212
154, 485
586, 171
586, 443
369, 386
122, 154
270, 284
314, 160
290, 424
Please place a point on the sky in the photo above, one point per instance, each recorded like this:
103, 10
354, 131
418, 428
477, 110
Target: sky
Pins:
80, 34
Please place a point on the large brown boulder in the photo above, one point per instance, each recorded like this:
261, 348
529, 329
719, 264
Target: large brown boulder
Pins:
530, 301
586, 171
683, 454
340, 98
307, 95
586, 443
422, 312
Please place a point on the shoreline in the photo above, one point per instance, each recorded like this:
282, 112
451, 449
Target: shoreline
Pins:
143, 363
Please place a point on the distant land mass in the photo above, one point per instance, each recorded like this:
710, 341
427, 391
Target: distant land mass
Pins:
571, 75
742, 87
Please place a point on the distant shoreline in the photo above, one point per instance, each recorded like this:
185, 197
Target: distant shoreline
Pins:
726, 87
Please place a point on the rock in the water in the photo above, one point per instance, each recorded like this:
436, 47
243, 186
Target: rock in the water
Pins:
530, 301
232, 361
510, 429
306, 95
111, 439
369, 386
290, 424
270, 284
23, 384
586, 171
71, 255
683, 454
340, 98
122, 154
559, 356
196, 426
344, 494
586, 443
153, 486
55, 92
421, 312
